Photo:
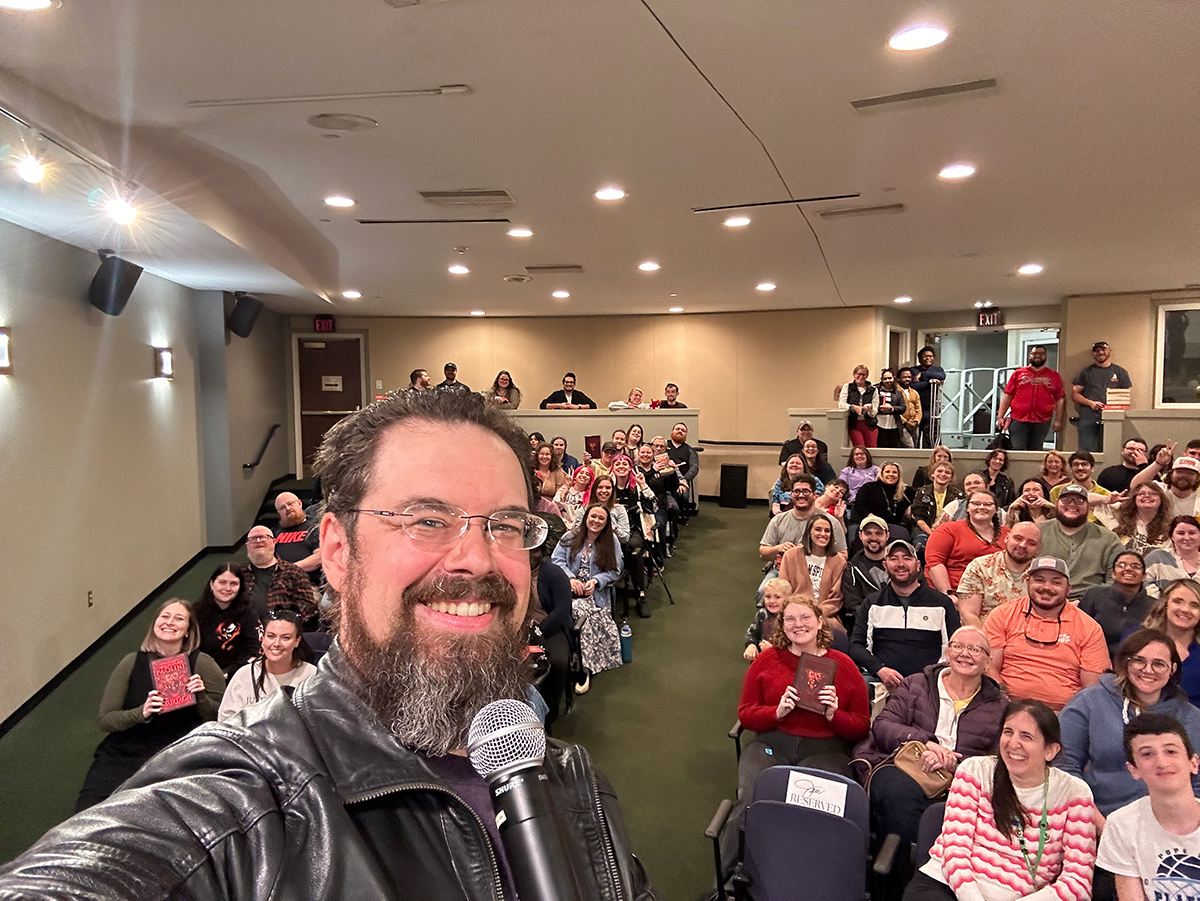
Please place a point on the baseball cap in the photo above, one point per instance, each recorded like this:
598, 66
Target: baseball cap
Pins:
1076, 491
450, 366
1189, 463
1099, 344
804, 425
609, 447
872, 520
1054, 563
899, 543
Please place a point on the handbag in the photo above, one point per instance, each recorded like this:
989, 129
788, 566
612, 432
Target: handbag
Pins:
1000, 442
908, 760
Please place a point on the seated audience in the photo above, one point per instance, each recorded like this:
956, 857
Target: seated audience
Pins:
576, 494
634, 437
1152, 846
566, 462
1176, 614
227, 622
554, 617
1000, 485
1055, 471
1015, 827
1082, 465
929, 501
635, 496
296, 539
953, 545
956, 511
620, 439
885, 497
568, 398
1145, 679
817, 561
535, 438
864, 573
591, 556
804, 432
131, 707
1090, 548
548, 475
787, 735
815, 459
766, 618
905, 626
998, 578
1116, 478
1121, 605
662, 479
781, 491
954, 709
604, 494
671, 399
833, 502
1043, 646
1030, 505
1181, 560
603, 466
786, 530
858, 471
505, 392
1181, 478
860, 400
283, 660
684, 456
1142, 520
270, 582
924, 474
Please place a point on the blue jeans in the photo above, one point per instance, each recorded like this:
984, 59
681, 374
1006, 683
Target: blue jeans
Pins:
1028, 435
1091, 435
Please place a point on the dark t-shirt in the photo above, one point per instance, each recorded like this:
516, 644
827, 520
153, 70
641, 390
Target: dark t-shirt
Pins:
454, 386
1094, 382
1117, 478
258, 591
294, 543
678, 405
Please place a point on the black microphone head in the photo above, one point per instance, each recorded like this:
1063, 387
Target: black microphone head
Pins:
505, 735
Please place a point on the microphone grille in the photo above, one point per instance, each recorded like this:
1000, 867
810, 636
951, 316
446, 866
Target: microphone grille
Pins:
504, 733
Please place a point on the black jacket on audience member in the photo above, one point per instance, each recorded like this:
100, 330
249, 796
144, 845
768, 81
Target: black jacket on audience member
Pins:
1003, 488
577, 397
861, 578
794, 447
554, 592
1106, 605
880, 499
904, 633
663, 484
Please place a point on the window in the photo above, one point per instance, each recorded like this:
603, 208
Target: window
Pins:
1177, 376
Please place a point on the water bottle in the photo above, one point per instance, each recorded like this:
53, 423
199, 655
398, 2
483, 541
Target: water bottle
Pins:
626, 644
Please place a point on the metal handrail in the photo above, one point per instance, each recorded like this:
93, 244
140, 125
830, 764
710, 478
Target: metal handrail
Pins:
262, 450
979, 389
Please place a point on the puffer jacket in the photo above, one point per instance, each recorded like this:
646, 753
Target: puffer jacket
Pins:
260, 807
911, 714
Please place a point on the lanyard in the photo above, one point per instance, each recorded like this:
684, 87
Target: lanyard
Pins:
1043, 831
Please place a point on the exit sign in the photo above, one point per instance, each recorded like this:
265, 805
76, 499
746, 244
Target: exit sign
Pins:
991, 318
324, 324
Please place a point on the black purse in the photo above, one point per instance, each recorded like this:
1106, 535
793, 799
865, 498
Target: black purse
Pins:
1000, 442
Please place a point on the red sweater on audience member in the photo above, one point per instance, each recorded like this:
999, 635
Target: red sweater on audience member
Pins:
955, 544
769, 677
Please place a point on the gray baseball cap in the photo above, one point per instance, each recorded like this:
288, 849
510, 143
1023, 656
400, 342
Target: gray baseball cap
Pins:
1054, 563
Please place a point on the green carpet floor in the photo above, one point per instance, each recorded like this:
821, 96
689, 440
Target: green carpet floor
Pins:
656, 727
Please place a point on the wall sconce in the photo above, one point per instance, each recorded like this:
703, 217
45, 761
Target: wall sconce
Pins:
164, 363
6, 367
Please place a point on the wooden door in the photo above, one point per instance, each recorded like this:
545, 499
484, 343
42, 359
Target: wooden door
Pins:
331, 386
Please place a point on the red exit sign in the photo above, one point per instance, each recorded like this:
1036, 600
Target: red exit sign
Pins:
324, 324
991, 318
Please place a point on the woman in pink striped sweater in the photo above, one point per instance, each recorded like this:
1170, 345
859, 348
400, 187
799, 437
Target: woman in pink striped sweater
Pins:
1015, 826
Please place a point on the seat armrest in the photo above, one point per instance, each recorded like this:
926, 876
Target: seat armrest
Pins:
718, 821
886, 855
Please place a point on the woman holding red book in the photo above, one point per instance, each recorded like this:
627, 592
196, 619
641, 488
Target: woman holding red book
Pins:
131, 710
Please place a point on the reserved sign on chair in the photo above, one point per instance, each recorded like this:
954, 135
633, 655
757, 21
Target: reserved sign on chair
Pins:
807, 790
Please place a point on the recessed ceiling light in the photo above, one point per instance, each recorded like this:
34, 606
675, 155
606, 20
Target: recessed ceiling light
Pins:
987, 304
765, 286
957, 170
340, 201
737, 221
979, 304
561, 295
30, 169
120, 211
918, 37
1030, 269
675, 310
674, 294
649, 266
30, 5
352, 295
520, 232
478, 313
458, 269
903, 298
610, 193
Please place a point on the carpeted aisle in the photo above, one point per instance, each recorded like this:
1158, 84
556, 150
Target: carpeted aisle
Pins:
656, 727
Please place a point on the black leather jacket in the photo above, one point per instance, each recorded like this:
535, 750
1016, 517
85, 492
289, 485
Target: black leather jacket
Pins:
257, 808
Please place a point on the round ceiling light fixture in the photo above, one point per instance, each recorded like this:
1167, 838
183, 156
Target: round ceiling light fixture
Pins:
561, 295
30, 5
30, 169
765, 286
1031, 269
341, 122
736, 222
339, 201
903, 298
120, 211
478, 313
649, 266
918, 37
458, 269
518, 232
352, 295
956, 171
610, 193
675, 310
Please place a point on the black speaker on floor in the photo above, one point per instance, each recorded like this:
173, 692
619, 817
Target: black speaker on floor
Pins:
244, 314
734, 478
113, 283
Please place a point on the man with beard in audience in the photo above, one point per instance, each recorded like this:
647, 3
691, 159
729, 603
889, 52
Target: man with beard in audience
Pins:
296, 539
864, 573
1090, 550
357, 785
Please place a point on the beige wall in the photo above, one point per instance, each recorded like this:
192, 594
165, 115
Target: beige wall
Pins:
744, 370
99, 464
1127, 323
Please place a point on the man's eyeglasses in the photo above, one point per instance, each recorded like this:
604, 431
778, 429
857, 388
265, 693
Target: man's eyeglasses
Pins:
1128, 564
1155, 666
259, 539
438, 525
1040, 642
973, 649
802, 492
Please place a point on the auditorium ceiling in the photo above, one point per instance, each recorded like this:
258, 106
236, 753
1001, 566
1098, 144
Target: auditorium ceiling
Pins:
1081, 119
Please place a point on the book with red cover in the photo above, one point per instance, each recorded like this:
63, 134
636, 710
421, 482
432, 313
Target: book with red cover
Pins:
171, 676
813, 674
591, 443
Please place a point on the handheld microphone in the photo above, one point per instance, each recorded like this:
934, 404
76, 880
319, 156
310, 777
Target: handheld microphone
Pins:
507, 744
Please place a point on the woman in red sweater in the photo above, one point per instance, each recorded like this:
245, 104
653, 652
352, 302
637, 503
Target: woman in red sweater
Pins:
953, 545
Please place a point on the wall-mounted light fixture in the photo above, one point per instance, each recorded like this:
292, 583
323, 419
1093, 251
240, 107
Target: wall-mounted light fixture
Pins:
6, 367
164, 363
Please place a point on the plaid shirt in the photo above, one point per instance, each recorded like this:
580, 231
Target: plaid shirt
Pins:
290, 587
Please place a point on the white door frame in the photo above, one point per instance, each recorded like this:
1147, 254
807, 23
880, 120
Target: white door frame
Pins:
905, 345
297, 337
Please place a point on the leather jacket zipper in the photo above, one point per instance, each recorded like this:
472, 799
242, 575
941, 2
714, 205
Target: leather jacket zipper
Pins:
609, 854
497, 884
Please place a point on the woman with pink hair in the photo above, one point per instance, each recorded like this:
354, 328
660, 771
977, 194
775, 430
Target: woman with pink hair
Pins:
576, 494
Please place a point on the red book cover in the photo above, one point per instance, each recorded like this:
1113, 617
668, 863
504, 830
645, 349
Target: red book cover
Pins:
813, 674
171, 676
591, 444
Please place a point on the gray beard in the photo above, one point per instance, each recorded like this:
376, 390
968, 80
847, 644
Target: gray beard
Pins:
426, 686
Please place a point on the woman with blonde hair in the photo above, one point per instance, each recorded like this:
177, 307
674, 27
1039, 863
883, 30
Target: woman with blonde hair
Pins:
924, 474
1176, 614
1055, 471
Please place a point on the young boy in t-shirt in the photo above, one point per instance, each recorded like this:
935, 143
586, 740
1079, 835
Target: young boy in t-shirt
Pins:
1152, 846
